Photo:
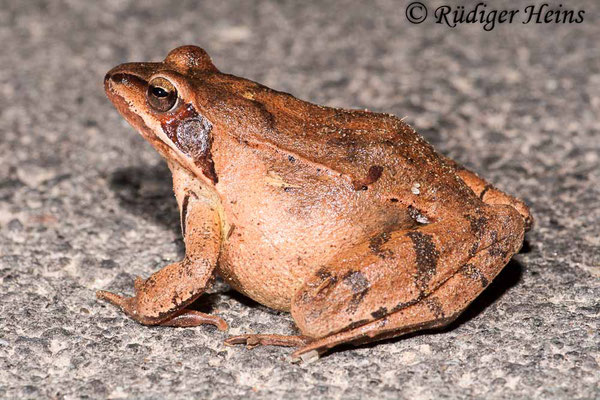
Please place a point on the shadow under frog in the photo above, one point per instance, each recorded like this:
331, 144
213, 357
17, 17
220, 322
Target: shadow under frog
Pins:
147, 191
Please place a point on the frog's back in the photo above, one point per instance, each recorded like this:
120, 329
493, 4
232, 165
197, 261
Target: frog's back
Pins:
362, 146
355, 143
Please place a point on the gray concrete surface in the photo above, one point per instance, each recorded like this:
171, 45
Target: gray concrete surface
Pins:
86, 204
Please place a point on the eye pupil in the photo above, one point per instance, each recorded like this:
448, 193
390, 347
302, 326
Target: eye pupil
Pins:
161, 95
159, 92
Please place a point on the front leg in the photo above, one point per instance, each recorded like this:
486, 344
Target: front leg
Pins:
162, 298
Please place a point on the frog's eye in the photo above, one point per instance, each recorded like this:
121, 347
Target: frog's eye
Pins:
161, 94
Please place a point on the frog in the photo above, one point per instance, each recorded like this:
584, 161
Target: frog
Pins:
347, 219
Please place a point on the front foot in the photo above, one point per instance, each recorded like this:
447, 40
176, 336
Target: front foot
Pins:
181, 318
126, 304
189, 318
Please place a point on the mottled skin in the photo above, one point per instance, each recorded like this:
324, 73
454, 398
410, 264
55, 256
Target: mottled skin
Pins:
346, 218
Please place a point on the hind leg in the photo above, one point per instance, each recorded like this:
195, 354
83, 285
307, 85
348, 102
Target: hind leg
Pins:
437, 310
488, 193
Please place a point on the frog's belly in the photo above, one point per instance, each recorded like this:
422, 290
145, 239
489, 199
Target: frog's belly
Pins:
268, 278
270, 262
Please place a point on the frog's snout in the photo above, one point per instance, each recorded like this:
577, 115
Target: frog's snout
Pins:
129, 77
116, 80
113, 76
111, 79
121, 78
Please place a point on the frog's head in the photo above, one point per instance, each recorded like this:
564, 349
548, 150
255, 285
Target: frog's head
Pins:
159, 100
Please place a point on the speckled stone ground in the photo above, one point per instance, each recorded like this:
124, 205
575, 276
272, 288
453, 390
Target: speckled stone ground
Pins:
86, 204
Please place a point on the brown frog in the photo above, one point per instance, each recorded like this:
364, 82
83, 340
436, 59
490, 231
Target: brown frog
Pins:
346, 218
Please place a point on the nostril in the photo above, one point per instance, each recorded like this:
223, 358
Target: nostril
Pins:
118, 77
118, 81
124, 78
112, 78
